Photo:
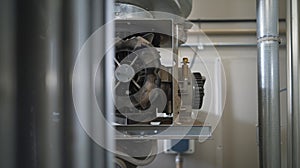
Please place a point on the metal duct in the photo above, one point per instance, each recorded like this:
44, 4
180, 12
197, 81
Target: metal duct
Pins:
293, 83
268, 84
177, 7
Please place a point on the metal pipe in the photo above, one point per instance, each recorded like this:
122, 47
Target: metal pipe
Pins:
228, 31
222, 44
179, 161
38, 125
289, 86
51, 122
7, 84
293, 83
108, 74
268, 84
226, 20
101, 12
37, 84
75, 31
218, 44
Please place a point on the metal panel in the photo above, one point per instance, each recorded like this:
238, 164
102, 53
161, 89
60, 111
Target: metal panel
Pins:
177, 7
228, 9
163, 132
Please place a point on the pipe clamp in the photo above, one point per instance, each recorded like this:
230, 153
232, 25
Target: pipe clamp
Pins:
269, 38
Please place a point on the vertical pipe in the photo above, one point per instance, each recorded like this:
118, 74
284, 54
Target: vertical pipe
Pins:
179, 160
7, 84
75, 31
37, 89
50, 121
296, 83
289, 86
38, 92
108, 80
37, 57
97, 13
268, 84
293, 80
175, 44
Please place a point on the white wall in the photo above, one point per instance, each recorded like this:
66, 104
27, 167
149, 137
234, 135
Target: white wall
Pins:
228, 9
234, 141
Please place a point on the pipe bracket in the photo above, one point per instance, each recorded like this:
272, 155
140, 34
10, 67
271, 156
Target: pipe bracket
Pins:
269, 38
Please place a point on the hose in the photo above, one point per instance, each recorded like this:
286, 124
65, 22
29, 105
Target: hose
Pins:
120, 163
140, 162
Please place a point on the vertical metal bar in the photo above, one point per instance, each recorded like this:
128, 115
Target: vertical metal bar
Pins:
293, 83
7, 84
289, 86
68, 60
38, 90
81, 18
51, 125
268, 84
175, 46
296, 83
97, 12
108, 80
179, 160
49, 34
75, 31
26, 134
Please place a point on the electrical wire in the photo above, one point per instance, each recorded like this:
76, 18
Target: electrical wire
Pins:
139, 162
120, 163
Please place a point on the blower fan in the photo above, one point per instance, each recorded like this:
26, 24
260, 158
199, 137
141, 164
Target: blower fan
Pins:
137, 65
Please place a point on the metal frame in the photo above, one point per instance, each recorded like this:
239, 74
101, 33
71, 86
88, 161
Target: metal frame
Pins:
163, 132
293, 82
167, 27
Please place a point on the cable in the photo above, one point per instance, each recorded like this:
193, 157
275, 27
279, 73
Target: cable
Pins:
120, 163
139, 162
194, 57
195, 52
